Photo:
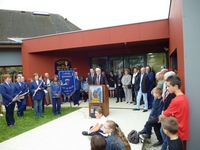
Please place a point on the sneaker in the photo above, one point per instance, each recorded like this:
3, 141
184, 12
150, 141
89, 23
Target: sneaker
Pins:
146, 136
142, 132
1, 115
157, 144
85, 133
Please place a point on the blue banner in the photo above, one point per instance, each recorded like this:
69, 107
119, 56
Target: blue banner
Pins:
67, 82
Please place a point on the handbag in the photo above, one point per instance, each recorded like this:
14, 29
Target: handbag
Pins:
129, 86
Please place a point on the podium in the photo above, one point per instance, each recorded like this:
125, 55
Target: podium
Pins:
98, 96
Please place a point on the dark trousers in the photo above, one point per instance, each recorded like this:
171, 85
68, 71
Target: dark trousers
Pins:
153, 123
10, 114
56, 105
21, 107
150, 98
76, 97
96, 133
119, 93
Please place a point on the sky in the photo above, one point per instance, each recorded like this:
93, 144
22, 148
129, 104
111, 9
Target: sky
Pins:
92, 14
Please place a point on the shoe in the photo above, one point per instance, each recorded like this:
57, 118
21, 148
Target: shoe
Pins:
11, 125
85, 100
42, 116
157, 144
149, 107
142, 132
136, 109
1, 115
145, 110
117, 101
85, 133
146, 136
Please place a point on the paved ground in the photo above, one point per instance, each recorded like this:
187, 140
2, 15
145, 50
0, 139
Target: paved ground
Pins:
64, 133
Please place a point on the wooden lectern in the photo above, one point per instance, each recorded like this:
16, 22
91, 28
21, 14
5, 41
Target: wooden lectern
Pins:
98, 96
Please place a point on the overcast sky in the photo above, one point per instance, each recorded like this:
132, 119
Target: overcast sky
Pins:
91, 14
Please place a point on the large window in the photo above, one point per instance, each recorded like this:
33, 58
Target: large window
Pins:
13, 71
156, 61
116, 63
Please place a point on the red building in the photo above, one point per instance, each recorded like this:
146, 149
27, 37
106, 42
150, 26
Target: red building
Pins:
177, 38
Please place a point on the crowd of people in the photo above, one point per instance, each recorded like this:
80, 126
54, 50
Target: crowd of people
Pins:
160, 92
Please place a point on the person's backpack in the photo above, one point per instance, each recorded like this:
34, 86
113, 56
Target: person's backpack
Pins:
133, 137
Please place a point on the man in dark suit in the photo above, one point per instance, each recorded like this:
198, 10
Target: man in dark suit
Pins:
143, 88
99, 78
91, 76
76, 95
9, 98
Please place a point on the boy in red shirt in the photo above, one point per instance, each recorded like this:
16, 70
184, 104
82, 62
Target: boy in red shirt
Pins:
178, 108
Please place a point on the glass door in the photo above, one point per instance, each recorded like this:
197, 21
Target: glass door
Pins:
116, 63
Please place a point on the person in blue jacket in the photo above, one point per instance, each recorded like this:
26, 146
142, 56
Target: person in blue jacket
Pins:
76, 95
154, 117
20, 87
9, 98
55, 87
36, 88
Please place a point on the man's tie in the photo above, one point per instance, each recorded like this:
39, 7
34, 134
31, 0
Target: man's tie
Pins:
97, 80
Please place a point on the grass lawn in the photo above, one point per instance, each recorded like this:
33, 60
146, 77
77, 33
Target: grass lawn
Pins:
29, 122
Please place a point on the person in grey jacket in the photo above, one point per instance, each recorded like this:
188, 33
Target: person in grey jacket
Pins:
126, 84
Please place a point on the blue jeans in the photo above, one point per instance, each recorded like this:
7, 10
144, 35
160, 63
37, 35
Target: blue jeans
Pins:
38, 107
139, 96
165, 139
56, 105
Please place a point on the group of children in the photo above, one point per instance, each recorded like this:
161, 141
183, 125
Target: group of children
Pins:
173, 122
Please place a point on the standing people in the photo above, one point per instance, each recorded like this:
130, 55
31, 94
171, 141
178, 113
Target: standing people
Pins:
26, 88
1, 110
100, 79
112, 83
36, 88
167, 98
76, 95
47, 81
20, 87
126, 82
91, 76
135, 82
119, 88
178, 108
151, 77
44, 92
116, 139
9, 98
85, 88
143, 88
56, 95
170, 127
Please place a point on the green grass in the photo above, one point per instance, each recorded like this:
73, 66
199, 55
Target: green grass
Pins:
28, 122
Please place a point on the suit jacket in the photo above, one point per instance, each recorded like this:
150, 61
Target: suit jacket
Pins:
90, 79
7, 92
159, 110
145, 83
78, 83
18, 88
137, 82
45, 81
103, 80
55, 89
119, 81
40, 93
